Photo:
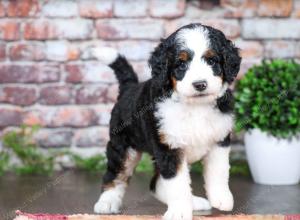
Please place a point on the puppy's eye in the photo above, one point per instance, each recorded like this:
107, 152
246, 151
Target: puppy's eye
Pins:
182, 66
211, 61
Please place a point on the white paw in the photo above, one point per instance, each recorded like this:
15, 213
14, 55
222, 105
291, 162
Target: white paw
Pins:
108, 203
179, 211
200, 203
221, 199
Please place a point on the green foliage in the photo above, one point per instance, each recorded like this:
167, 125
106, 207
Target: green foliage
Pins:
268, 98
92, 164
145, 165
33, 161
197, 167
239, 168
4, 162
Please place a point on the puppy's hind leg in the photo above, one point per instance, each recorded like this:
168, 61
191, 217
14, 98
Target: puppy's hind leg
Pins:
121, 162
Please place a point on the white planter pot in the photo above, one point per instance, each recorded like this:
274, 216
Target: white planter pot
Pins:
273, 161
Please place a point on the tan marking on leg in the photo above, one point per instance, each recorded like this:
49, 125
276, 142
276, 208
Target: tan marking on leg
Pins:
132, 159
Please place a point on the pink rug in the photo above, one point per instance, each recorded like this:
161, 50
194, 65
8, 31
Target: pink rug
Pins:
41, 216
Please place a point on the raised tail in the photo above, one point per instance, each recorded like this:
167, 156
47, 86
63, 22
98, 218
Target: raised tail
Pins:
123, 70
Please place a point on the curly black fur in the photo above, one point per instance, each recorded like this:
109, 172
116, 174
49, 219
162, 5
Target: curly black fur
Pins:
226, 102
228, 53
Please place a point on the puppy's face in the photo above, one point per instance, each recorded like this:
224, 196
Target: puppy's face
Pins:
200, 63
197, 73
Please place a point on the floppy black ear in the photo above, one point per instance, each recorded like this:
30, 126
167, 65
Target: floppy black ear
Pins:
231, 61
159, 62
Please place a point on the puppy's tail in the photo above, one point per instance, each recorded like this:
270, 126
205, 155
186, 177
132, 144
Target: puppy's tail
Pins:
123, 70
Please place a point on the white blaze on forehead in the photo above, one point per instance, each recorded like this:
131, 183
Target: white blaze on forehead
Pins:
195, 39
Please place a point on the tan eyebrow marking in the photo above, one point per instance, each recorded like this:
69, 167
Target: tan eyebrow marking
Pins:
209, 53
183, 55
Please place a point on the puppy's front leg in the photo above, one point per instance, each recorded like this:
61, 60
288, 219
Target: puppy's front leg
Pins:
216, 177
173, 186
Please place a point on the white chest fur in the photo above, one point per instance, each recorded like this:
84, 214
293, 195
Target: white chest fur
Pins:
194, 128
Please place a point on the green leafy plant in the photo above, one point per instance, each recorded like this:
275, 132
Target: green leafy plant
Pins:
145, 165
238, 167
268, 98
32, 160
4, 162
91, 164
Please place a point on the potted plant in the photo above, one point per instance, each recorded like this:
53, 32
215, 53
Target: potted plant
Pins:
268, 108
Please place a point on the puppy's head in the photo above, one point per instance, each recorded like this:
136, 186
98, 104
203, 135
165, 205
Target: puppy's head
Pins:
197, 62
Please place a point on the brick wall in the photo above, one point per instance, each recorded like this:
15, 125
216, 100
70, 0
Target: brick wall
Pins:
47, 74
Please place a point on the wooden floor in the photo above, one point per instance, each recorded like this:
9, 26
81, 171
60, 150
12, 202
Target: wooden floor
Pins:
73, 192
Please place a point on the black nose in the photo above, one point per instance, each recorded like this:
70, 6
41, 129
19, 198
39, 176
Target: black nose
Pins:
200, 85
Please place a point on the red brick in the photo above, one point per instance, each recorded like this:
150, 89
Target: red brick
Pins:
103, 113
231, 28
67, 116
60, 8
275, 8
33, 117
296, 12
195, 10
61, 51
2, 51
238, 9
96, 8
54, 138
55, 95
280, 49
27, 51
9, 30
2, 9
74, 29
35, 73
142, 69
267, 28
250, 49
91, 137
130, 28
247, 64
22, 8
136, 8
10, 117
86, 49
136, 50
112, 93
297, 51
18, 95
91, 94
89, 72
167, 9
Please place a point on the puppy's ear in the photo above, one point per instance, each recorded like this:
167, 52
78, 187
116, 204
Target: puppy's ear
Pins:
231, 61
159, 62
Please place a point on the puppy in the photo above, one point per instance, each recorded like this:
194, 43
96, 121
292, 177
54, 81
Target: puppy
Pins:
181, 115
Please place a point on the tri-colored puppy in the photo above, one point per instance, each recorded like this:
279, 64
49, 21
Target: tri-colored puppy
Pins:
181, 115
